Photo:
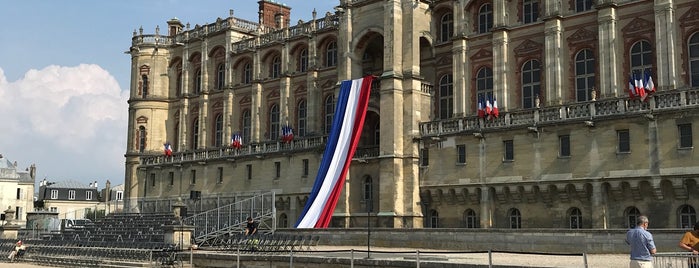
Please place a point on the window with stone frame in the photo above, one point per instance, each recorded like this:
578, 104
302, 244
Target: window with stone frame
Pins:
247, 74
446, 96
641, 57
484, 84
531, 83
471, 219
564, 146
530, 11
329, 111
631, 214
331, 54
461, 154
195, 134
275, 67
144, 86
446, 27
221, 76
584, 75
509, 153
687, 216
246, 121
301, 117
434, 219
274, 122
368, 193
685, 135
218, 130
623, 141
142, 135
515, 218
178, 84
583, 5
424, 157
693, 59
303, 61
193, 177
575, 218
485, 18
197, 81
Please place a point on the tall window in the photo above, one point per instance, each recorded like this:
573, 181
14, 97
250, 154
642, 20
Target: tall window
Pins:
641, 57
530, 11
277, 169
584, 75
434, 219
685, 131
274, 122
197, 81
141, 139
304, 173
632, 214
144, 86
283, 221
446, 29
446, 96
195, 134
461, 154
329, 112
575, 218
220, 76
54, 194
301, 117
88, 195
424, 157
515, 218
247, 74
531, 83
484, 83
624, 141
71, 195
176, 140
218, 130
509, 150
694, 60
687, 217
178, 84
119, 195
564, 145
152, 180
485, 18
193, 177
276, 68
171, 178
248, 171
331, 54
247, 126
368, 193
583, 5
471, 219
303, 60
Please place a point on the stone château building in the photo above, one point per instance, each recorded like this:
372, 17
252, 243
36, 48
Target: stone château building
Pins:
16, 191
569, 149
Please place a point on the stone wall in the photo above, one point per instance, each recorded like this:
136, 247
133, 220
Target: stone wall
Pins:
599, 241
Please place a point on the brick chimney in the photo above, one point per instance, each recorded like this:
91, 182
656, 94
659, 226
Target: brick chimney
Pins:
274, 15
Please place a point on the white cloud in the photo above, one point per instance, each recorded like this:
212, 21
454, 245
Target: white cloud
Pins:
70, 121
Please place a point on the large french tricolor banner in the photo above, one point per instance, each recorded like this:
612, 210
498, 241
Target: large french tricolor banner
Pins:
344, 136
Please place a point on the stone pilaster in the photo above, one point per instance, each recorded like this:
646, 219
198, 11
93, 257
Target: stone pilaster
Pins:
501, 71
609, 44
665, 40
553, 61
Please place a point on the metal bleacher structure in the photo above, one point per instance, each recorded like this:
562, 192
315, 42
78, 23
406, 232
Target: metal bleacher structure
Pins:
138, 239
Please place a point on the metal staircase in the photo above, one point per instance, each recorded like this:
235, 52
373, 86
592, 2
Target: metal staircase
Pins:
213, 225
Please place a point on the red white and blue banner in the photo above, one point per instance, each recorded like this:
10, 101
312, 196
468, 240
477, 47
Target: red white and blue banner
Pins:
287, 134
236, 141
344, 136
168, 149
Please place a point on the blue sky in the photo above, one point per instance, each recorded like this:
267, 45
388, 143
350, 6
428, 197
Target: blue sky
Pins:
64, 77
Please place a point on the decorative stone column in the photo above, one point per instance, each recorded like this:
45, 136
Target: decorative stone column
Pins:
10, 229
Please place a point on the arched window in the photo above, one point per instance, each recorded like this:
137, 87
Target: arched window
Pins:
446, 96
221, 76
197, 81
434, 219
471, 219
274, 122
218, 131
583, 5
484, 84
515, 218
641, 57
631, 214
584, 75
485, 18
687, 217
575, 218
195, 134
530, 11
446, 29
247, 74
368, 193
141, 139
303, 60
301, 117
144, 86
329, 112
178, 84
247, 123
283, 221
331, 54
694, 60
531, 83
276, 68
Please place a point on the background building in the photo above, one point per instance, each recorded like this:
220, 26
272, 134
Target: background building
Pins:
70, 199
16, 190
569, 149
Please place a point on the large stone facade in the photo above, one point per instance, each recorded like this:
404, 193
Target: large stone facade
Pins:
569, 148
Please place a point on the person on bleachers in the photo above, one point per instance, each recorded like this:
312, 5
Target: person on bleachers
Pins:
251, 227
17, 251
